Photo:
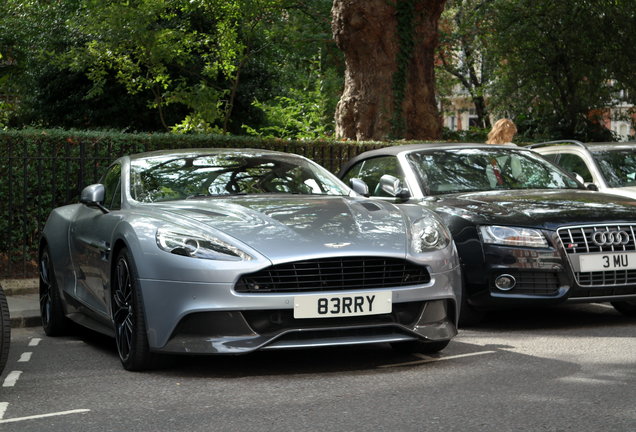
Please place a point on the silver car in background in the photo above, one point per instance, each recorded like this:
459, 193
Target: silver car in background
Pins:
610, 167
228, 251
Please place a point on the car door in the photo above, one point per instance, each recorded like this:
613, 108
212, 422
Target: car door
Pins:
90, 242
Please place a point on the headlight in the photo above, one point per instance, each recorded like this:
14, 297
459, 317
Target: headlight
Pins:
198, 246
429, 234
513, 236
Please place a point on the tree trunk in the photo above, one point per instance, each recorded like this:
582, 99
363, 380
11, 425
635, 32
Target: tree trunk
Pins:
389, 89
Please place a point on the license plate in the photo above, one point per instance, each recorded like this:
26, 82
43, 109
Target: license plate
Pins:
339, 305
608, 262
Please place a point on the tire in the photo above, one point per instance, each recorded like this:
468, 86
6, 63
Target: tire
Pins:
420, 346
5, 330
468, 316
627, 307
128, 315
54, 322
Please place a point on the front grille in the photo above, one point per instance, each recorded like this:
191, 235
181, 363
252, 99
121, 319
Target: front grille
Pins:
533, 283
327, 274
579, 241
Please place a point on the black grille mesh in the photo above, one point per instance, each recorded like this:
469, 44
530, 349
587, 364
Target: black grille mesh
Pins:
578, 241
327, 274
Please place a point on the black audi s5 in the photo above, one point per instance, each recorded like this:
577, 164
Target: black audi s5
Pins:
527, 232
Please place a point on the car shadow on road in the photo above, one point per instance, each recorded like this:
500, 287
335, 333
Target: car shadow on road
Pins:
365, 359
558, 318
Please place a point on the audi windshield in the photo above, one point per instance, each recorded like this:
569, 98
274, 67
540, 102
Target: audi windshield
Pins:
471, 170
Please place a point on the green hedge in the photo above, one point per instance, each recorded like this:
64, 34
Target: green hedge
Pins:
44, 169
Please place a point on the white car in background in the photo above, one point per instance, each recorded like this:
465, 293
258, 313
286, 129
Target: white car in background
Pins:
609, 166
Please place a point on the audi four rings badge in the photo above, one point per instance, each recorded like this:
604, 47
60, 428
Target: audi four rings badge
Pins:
610, 238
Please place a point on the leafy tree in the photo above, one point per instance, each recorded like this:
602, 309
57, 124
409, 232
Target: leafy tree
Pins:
554, 70
36, 83
185, 53
465, 29
306, 73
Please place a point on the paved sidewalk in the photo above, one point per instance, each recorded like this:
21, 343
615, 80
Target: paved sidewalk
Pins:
23, 299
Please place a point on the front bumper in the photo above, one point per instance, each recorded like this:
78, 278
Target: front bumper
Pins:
542, 276
211, 318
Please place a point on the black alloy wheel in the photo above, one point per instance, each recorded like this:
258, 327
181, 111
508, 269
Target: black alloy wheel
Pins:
128, 315
54, 322
5, 330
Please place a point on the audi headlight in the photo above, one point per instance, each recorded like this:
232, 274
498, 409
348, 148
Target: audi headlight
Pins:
429, 234
180, 242
513, 236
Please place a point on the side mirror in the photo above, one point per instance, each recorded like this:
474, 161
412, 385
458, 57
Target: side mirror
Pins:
93, 196
359, 186
393, 187
591, 186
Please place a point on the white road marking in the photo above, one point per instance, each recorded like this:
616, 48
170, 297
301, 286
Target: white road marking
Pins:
34, 417
11, 379
34, 341
25, 357
3, 408
427, 359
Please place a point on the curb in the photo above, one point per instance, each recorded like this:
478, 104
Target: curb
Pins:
13, 287
26, 321
23, 301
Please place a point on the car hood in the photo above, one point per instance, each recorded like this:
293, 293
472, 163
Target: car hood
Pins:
535, 208
294, 225
627, 192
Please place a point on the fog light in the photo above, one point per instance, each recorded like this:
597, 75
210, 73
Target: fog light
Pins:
505, 282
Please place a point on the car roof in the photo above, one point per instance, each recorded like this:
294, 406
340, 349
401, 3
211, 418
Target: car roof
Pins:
408, 148
206, 151
591, 146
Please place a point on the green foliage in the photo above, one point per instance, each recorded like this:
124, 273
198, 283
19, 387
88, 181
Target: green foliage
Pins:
551, 66
303, 114
463, 53
186, 66
554, 70
472, 135
179, 52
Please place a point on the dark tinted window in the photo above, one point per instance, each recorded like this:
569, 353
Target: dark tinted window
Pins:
575, 164
618, 166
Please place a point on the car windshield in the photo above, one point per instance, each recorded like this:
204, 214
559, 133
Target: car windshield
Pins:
617, 166
479, 169
175, 177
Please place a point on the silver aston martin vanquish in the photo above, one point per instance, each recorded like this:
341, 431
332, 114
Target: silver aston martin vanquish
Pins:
227, 251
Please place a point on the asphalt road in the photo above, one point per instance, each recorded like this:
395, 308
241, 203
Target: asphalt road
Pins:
569, 368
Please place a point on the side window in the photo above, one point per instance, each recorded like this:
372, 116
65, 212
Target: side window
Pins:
112, 184
575, 164
371, 170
